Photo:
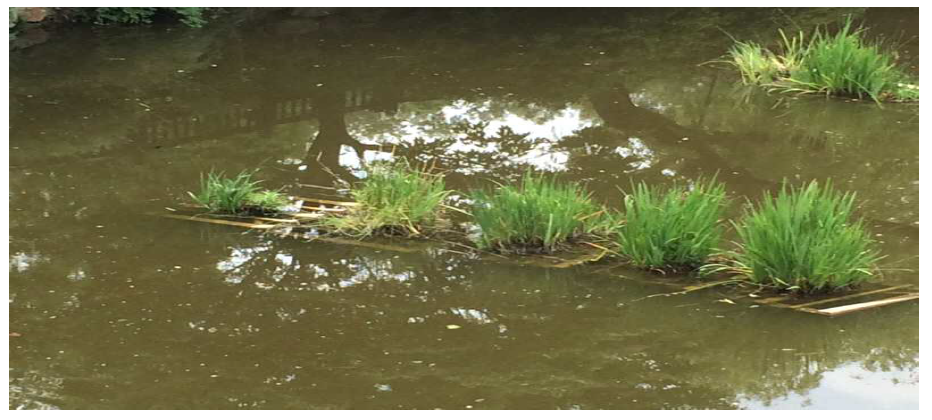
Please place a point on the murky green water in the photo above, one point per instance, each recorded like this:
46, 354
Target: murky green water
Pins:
118, 308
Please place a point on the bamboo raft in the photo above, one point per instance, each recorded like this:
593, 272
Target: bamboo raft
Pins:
880, 295
312, 208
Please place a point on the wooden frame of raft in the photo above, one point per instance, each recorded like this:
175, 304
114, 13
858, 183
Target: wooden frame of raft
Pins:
901, 293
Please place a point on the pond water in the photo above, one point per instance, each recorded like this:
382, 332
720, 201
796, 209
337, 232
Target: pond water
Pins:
116, 307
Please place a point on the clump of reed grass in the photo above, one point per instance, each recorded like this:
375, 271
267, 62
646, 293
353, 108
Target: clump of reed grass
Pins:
537, 216
756, 64
237, 195
220, 194
395, 198
805, 239
843, 64
673, 228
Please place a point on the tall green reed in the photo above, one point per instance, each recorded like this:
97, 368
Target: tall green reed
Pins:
536, 216
673, 228
220, 194
805, 239
236, 195
394, 198
839, 64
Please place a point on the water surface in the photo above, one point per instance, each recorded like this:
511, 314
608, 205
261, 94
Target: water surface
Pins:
119, 308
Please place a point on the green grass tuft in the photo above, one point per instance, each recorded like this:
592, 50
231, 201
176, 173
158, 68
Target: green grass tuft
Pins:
237, 195
536, 216
395, 198
219, 194
267, 202
843, 64
674, 228
805, 240
756, 64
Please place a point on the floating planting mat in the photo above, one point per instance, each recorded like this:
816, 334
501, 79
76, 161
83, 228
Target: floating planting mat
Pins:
856, 300
286, 223
868, 296
299, 225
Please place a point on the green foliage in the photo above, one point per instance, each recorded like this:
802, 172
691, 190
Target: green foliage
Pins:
124, 15
905, 91
536, 216
14, 17
756, 64
395, 198
674, 228
237, 195
805, 240
266, 202
225, 195
14, 21
191, 16
843, 64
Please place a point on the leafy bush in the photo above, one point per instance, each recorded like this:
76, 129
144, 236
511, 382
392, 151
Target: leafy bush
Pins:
804, 240
395, 198
536, 216
674, 228
191, 16
124, 15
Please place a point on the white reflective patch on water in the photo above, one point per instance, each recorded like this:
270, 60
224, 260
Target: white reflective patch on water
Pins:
473, 315
77, 275
543, 126
850, 387
21, 261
